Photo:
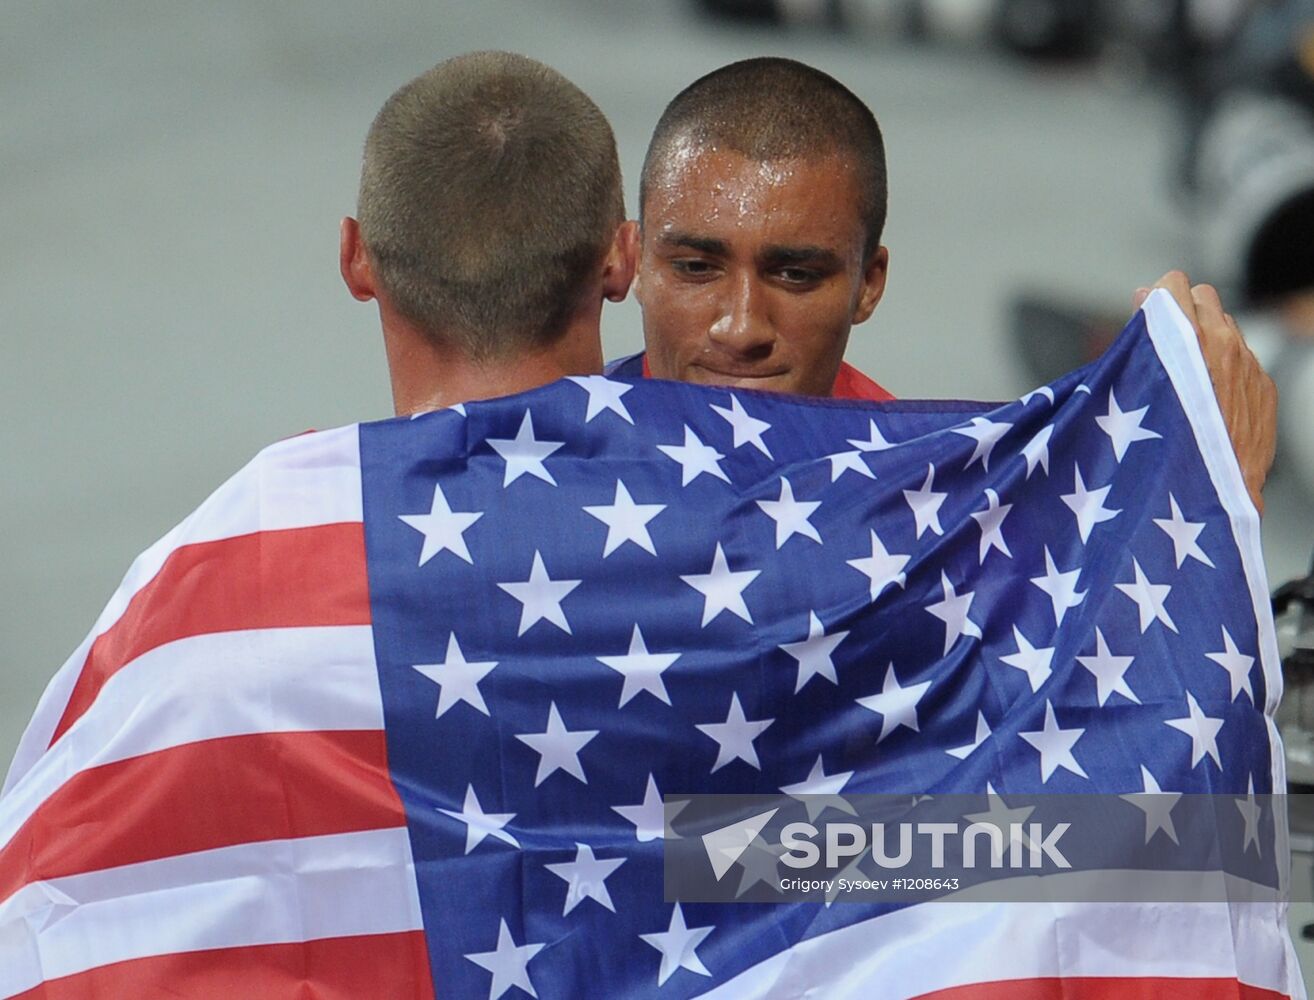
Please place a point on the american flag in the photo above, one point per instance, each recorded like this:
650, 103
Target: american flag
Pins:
393, 713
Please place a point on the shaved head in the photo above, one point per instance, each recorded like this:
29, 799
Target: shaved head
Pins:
772, 109
490, 191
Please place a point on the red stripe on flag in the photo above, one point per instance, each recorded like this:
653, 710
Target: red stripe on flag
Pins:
1106, 988
297, 577
204, 795
370, 967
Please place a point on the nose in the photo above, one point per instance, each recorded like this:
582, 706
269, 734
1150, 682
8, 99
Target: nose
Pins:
744, 326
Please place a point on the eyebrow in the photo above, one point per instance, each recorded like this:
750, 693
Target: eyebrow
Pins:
776, 254
781, 255
705, 244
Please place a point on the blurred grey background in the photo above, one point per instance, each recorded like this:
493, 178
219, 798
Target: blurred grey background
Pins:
174, 173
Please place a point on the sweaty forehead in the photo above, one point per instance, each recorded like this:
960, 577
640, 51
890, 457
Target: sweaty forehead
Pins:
705, 188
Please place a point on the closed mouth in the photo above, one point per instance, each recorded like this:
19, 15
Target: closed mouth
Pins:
722, 376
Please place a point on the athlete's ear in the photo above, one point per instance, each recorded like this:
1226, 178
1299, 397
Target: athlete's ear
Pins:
873, 284
622, 258
354, 262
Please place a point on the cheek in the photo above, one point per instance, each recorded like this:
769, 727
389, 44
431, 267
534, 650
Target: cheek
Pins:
813, 320
816, 335
676, 313
669, 324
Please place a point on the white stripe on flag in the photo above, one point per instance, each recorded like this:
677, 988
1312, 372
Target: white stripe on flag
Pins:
298, 483
267, 893
936, 946
266, 680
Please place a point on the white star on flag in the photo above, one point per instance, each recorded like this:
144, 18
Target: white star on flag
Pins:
524, 453
479, 824
1088, 505
650, 816
848, 461
1250, 813
991, 522
982, 734
1082, 388
1237, 665
641, 669
748, 430
1008, 821
540, 597
509, 964
986, 434
1184, 534
1061, 588
679, 947
457, 678
814, 653
585, 878
881, 568
875, 439
1044, 391
626, 521
1036, 451
925, 504
1149, 598
791, 516
1157, 806
1035, 663
1055, 746
896, 704
952, 610
1202, 729
557, 747
722, 588
1124, 427
819, 791
1109, 671
759, 862
604, 394
442, 528
735, 736
695, 458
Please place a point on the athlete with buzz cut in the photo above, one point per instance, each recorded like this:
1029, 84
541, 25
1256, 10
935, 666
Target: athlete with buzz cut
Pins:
490, 229
761, 208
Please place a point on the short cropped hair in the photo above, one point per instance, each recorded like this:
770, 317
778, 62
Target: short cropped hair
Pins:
490, 191
775, 109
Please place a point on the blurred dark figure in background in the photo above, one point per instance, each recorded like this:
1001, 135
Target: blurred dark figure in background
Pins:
1293, 612
1244, 81
1242, 76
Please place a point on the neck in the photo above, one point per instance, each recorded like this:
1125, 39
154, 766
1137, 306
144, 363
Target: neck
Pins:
429, 376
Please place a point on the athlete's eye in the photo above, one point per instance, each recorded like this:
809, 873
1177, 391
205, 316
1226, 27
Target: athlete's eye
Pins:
797, 275
693, 268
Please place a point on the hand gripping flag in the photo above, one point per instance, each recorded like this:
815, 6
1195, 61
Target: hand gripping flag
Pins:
393, 713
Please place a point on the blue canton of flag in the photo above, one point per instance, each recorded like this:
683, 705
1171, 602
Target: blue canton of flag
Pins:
603, 593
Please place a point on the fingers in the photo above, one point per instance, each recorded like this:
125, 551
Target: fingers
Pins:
1208, 307
1246, 395
1179, 286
